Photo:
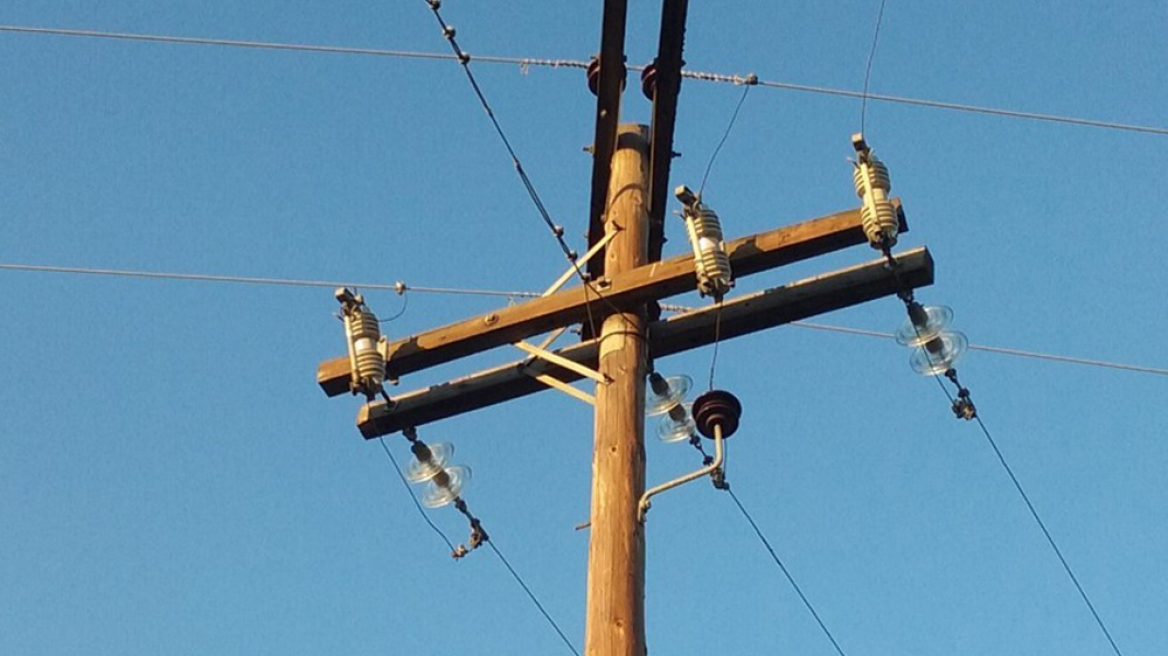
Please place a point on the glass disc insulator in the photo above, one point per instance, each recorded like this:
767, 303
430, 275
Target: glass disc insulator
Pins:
910, 334
935, 363
676, 430
436, 496
424, 470
656, 404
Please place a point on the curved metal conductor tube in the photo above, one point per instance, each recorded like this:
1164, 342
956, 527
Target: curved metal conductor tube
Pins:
716, 414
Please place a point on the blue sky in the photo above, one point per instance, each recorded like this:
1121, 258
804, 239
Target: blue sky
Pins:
172, 481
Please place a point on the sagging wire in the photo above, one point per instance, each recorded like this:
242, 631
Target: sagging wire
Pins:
404, 307
936, 351
557, 231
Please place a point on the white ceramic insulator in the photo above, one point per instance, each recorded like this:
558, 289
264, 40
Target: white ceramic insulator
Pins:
365, 333
878, 215
711, 263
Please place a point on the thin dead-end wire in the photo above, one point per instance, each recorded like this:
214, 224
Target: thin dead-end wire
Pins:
531, 595
525, 63
868, 68
1046, 532
725, 135
717, 342
778, 561
405, 306
410, 492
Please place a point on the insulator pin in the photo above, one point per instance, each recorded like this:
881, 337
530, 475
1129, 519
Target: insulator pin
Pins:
873, 184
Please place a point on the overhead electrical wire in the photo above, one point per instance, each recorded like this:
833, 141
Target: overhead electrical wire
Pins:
531, 595
701, 188
557, 231
964, 408
992, 349
401, 287
490, 543
868, 68
778, 561
526, 63
1046, 532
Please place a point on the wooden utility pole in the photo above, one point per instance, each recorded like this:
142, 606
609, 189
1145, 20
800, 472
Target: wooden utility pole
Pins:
616, 555
629, 179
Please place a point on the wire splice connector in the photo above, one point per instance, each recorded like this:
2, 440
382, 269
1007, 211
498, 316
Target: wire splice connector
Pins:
711, 263
363, 334
880, 222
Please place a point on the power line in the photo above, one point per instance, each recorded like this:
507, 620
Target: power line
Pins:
964, 408
398, 287
532, 596
722, 142
996, 349
778, 561
526, 63
401, 287
465, 59
868, 68
295, 47
557, 231
489, 542
1050, 539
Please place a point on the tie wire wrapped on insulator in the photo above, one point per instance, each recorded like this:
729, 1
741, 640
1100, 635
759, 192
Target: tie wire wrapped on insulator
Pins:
873, 184
363, 334
711, 263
